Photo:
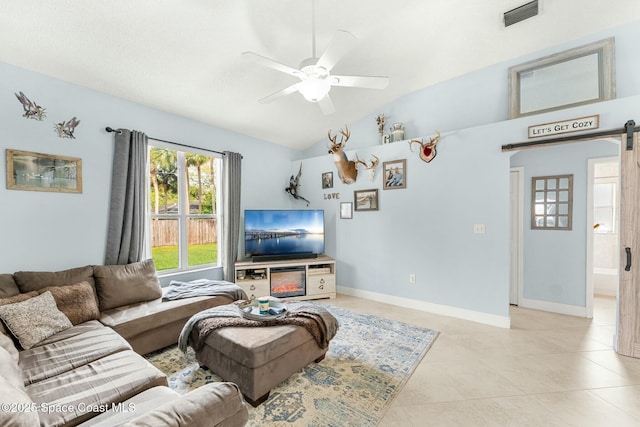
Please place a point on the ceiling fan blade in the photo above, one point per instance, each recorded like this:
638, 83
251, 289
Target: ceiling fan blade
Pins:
279, 94
326, 105
268, 62
340, 45
370, 82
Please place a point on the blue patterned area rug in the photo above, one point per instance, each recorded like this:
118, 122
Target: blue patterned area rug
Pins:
368, 362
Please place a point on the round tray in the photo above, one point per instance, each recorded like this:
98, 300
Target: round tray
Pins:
251, 311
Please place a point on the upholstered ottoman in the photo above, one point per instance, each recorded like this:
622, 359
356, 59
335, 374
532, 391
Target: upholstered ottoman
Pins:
257, 359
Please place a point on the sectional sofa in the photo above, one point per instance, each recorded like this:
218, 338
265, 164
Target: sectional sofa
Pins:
71, 345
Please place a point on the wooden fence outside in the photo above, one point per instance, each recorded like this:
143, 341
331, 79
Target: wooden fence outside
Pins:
164, 232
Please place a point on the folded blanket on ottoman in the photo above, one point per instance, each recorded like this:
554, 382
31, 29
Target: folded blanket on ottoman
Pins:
313, 317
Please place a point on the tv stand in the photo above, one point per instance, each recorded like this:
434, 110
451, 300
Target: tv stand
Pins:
320, 276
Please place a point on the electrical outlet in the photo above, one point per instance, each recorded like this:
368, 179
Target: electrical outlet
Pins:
412, 278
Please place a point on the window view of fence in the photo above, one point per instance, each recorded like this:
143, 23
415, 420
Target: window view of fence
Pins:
183, 209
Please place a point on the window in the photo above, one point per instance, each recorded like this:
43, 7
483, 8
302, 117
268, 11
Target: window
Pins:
552, 202
183, 208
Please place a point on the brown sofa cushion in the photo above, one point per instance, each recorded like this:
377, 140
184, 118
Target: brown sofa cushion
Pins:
8, 287
78, 302
36, 280
33, 320
119, 285
110, 379
47, 360
214, 404
11, 300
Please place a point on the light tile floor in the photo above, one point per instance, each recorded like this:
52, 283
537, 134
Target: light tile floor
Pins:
547, 370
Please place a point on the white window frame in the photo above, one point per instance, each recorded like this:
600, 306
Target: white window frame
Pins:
183, 215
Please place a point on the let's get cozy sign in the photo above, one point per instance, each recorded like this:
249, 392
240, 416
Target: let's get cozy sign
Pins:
573, 125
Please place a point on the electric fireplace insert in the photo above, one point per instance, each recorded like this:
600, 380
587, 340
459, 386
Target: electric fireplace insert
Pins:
288, 282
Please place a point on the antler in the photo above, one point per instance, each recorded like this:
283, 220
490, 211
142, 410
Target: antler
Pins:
345, 135
373, 164
436, 138
415, 141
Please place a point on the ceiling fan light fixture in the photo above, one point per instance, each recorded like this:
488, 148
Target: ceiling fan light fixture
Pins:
314, 89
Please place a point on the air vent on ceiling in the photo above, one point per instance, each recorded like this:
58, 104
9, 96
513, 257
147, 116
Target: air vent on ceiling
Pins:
521, 13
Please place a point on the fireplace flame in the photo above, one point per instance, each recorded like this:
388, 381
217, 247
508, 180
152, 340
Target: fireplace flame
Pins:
286, 288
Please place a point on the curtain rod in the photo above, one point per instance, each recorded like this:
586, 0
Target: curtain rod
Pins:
110, 129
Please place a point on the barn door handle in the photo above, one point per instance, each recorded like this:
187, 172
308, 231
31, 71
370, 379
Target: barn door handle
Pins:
628, 266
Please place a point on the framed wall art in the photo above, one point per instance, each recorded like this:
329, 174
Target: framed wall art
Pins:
327, 180
395, 174
43, 172
346, 210
366, 200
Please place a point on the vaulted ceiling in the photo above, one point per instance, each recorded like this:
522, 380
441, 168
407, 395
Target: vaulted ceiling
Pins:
184, 56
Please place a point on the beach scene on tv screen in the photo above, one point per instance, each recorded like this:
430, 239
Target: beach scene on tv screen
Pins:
284, 232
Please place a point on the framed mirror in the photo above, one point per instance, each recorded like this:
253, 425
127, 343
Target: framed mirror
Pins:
574, 77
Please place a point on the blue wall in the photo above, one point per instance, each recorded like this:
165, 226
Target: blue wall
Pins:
427, 228
51, 231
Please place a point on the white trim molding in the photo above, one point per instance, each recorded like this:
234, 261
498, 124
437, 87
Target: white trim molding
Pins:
444, 310
553, 307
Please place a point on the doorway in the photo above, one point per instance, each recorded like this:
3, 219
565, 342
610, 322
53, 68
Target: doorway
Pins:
552, 269
603, 225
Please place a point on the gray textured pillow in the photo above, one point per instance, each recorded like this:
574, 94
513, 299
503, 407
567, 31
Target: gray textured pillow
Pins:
33, 320
118, 285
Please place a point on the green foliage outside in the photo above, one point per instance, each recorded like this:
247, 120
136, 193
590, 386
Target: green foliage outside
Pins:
163, 191
166, 257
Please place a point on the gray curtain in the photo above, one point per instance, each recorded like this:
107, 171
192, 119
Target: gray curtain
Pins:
231, 213
126, 233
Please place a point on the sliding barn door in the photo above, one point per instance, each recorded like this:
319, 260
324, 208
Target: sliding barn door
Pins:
629, 293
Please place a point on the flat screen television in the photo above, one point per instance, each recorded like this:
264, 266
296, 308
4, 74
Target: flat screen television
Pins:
271, 235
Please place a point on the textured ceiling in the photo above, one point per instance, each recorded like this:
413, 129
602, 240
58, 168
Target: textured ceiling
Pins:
184, 56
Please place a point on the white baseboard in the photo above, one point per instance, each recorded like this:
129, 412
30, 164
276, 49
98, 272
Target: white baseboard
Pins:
554, 307
607, 292
445, 310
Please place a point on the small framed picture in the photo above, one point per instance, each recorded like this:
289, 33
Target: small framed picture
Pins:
346, 210
327, 180
395, 174
43, 172
366, 200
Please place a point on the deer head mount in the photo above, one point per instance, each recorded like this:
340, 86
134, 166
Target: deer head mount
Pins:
427, 150
347, 170
369, 168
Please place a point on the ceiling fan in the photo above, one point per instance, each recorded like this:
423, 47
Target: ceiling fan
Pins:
314, 73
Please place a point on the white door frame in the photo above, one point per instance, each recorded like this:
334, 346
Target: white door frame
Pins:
517, 244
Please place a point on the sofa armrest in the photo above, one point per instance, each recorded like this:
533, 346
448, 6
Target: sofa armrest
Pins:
210, 405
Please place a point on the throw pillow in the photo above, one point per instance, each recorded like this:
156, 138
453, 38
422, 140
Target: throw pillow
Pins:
35, 319
14, 299
8, 287
78, 302
35, 280
118, 285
